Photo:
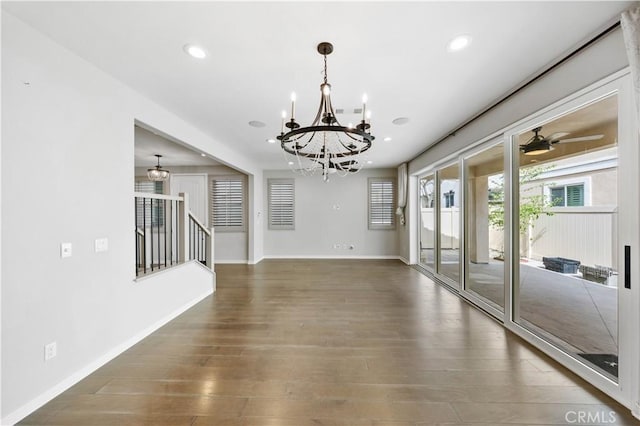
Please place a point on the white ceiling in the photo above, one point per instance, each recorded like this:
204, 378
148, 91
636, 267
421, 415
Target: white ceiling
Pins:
148, 144
259, 52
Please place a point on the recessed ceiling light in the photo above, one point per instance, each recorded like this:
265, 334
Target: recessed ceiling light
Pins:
271, 140
291, 163
203, 155
387, 139
458, 43
369, 162
400, 121
195, 51
256, 124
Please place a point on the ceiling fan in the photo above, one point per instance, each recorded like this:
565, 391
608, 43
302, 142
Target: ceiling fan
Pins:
539, 144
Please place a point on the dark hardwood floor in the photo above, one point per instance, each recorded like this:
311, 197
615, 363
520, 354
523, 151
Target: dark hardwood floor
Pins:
297, 343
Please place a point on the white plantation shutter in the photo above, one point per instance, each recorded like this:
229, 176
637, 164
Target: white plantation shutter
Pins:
227, 204
382, 197
281, 203
144, 212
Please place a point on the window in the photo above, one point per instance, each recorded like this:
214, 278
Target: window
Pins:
567, 195
227, 204
151, 213
281, 203
382, 201
449, 199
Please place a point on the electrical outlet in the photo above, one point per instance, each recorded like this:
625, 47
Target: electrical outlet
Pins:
50, 351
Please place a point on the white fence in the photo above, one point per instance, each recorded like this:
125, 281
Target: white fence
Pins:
449, 226
587, 234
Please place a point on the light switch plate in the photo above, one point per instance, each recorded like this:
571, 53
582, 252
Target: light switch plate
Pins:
65, 250
101, 244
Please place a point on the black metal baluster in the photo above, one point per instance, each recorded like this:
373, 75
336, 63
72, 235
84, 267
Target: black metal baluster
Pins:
171, 231
135, 223
158, 229
201, 245
144, 235
151, 226
177, 233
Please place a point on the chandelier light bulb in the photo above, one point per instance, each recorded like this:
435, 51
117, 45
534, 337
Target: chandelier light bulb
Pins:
326, 89
364, 105
293, 105
284, 116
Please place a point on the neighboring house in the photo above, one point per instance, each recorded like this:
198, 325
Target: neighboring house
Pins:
583, 191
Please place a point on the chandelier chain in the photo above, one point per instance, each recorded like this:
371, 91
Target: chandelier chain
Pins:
325, 69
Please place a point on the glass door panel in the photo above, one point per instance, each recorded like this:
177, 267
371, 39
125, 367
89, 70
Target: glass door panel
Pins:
449, 222
427, 221
484, 227
568, 223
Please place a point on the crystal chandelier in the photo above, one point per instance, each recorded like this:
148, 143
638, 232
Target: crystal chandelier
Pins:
157, 174
326, 145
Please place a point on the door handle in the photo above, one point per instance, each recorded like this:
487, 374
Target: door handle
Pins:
627, 266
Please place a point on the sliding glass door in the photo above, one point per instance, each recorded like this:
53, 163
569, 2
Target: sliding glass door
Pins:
427, 237
484, 225
567, 218
448, 221
548, 229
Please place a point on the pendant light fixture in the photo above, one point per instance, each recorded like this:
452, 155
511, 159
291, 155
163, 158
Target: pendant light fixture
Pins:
157, 174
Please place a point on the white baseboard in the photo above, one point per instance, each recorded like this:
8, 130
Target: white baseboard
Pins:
255, 262
405, 261
322, 256
231, 261
65, 384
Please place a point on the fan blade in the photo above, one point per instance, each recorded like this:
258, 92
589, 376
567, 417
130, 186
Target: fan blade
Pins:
581, 139
555, 136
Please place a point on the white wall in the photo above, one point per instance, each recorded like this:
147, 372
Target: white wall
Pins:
329, 213
67, 173
591, 65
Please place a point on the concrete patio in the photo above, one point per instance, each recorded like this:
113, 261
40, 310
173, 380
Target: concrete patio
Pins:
576, 314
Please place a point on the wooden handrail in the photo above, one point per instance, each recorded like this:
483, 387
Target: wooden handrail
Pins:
195, 219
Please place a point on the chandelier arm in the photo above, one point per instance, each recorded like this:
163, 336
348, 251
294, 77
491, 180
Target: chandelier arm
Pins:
316, 121
333, 114
297, 151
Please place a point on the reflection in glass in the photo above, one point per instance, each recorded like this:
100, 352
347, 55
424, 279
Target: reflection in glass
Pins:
568, 290
485, 225
449, 221
427, 220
